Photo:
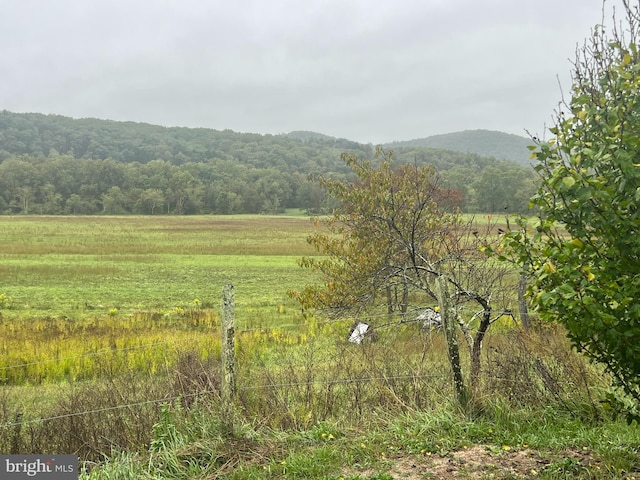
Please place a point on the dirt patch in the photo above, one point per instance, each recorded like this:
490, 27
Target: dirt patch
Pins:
474, 462
481, 461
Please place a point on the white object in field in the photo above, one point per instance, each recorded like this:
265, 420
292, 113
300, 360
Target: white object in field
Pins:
358, 333
430, 318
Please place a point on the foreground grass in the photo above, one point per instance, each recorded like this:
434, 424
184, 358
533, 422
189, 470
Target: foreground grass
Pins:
443, 443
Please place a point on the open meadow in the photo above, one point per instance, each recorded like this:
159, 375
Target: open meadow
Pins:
74, 286
110, 348
84, 266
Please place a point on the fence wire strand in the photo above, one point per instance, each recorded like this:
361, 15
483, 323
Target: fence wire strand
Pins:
344, 381
206, 392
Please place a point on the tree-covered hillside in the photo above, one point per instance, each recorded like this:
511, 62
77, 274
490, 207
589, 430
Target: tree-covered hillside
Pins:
489, 143
51, 164
40, 135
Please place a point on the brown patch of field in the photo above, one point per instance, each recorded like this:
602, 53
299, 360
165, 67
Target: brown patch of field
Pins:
481, 461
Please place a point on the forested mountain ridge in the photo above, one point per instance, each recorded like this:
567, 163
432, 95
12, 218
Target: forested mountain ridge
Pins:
488, 143
36, 134
52, 164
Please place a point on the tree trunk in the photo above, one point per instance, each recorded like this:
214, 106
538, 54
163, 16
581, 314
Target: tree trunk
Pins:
449, 325
405, 297
476, 350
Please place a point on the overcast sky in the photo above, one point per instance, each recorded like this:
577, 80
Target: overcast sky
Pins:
367, 70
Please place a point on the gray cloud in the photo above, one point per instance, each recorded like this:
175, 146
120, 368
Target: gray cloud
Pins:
371, 71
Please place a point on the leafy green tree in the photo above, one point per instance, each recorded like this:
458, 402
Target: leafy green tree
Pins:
311, 197
4, 206
77, 205
458, 178
113, 202
151, 200
274, 190
17, 180
73, 205
583, 252
503, 188
157, 174
393, 237
51, 201
183, 189
62, 173
24, 195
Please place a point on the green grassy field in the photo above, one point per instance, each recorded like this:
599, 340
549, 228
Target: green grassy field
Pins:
72, 287
110, 347
79, 266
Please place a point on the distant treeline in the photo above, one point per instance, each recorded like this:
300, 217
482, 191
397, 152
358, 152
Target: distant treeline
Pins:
56, 165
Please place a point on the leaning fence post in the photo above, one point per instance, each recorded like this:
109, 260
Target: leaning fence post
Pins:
228, 385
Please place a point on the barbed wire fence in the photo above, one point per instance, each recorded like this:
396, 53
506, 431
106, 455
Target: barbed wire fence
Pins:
165, 344
388, 379
114, 351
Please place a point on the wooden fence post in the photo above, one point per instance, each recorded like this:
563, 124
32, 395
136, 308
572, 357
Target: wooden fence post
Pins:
228, 386
16, 442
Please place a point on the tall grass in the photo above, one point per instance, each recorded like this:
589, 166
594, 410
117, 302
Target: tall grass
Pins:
109, 348
296, 378
54, 349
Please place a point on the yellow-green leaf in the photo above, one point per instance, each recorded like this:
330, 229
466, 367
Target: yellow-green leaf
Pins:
577, 242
